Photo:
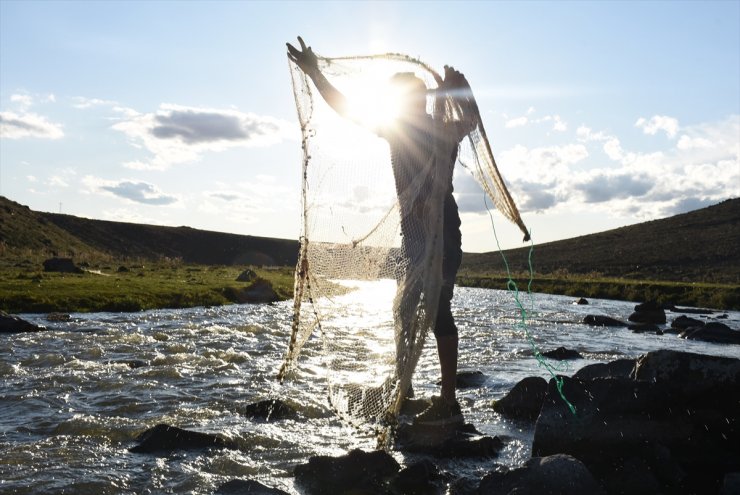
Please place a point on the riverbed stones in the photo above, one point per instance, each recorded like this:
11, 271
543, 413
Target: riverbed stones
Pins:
674, 424
524, 401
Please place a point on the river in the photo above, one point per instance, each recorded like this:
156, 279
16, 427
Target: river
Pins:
73, 399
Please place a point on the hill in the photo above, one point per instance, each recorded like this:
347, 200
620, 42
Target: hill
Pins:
699, 246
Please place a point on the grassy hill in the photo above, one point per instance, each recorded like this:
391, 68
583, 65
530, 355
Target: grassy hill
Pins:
699, 246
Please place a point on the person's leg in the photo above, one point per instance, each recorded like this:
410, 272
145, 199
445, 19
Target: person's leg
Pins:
447, 351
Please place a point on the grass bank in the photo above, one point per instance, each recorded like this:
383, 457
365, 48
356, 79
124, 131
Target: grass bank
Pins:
718, 296
26, 289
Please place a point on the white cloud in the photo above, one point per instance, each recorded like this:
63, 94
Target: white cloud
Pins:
177, 134
83, 102
23, 100
686, 143
25, 125
559, 125
131, 190
658, 123
517, 122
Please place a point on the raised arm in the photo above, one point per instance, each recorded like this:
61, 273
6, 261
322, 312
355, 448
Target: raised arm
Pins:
307, 61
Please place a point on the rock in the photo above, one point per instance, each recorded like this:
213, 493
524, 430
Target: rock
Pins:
645, 327
649, 306
731, 484
63, 265
247, 487
463, 442
562, 354
420, 478
260, 291
648, 316
558, 474
619, 368
165, 438
468, 379
15, 324
603, 321
131, 363
58, 317
684, 322
694, 311
122, 269
358, 470
270, 410
581, 301
715, 332
246, 276
524, 401
674, 424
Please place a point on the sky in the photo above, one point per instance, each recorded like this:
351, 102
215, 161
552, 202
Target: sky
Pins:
600, 114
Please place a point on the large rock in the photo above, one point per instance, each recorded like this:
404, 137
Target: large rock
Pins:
684, 322
619, 368
603, 321
165, 438
247, 487
247, 275
674, 424
468, 379
462, 442
15, 324
63, 265
715, 332
270, 410
358, 470
524, 401
558, 474
562, 354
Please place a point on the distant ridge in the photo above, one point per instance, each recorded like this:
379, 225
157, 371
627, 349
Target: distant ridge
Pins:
699, 246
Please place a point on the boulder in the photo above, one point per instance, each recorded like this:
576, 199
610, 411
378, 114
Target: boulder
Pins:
684, 322
674, 424
165, 438
581, 301
357, 470
420, 478
15, 324
247, 487
247, 276
619, 368
558, 474
715, 332
648, 316
270, 410
562, 354
524, 401
603, 321
645, 327
462, 442
63, 265
468, 379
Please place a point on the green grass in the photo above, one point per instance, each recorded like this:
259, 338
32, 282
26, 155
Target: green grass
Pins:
718, 296
25, 288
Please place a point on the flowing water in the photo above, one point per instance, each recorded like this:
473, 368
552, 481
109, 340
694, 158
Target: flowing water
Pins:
73, 399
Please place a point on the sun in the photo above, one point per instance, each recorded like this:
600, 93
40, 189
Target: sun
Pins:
373, 101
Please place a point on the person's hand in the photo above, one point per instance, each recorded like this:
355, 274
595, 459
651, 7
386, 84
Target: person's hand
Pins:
454, 79
304, 58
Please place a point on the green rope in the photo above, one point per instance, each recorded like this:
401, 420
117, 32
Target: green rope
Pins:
512, 287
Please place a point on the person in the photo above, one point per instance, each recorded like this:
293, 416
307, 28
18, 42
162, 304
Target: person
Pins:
415, 141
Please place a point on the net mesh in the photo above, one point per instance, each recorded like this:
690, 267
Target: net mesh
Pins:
370, 267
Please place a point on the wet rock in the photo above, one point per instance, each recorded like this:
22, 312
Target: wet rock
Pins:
358, 470
246, 276
524, 401
63, 265
692, 311
558, 474
715, 332
581, 301
270, 410
58, 317
166, 438
420, 478
15, 324
562, 354
675, 424
645, 327
463, 442
131, 363
684, 322
468, 379
247, 487
603, 321
648, 316
619, 368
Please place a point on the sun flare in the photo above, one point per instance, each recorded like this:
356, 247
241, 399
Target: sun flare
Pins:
374, 101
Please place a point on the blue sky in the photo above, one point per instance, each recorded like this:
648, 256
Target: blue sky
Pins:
600, 114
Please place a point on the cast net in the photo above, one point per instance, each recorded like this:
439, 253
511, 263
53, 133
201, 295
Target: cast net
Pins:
369, 274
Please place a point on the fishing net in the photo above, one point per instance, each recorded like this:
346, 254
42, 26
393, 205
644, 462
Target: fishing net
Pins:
370, 268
